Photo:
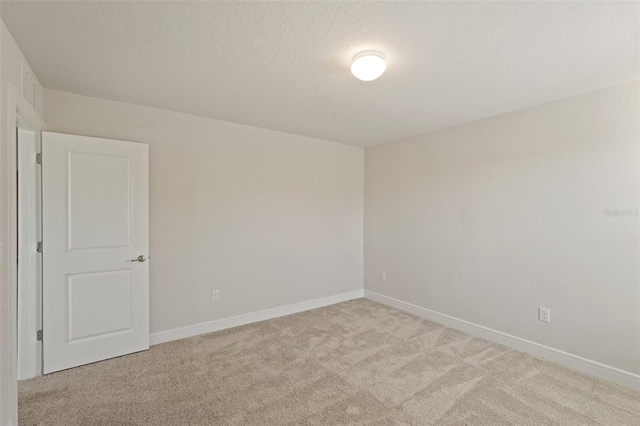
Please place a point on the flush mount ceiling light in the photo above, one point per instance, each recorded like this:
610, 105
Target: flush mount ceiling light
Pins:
368, 65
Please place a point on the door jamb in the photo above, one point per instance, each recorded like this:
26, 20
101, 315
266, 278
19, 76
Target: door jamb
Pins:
29, 260
18, 110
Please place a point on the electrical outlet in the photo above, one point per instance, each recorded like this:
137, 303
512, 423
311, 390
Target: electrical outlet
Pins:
383, 276
544, 314
215, 295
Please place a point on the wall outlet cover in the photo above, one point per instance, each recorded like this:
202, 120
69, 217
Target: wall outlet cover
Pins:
544, 314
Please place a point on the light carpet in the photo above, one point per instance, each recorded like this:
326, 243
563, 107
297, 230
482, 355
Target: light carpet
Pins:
357, 362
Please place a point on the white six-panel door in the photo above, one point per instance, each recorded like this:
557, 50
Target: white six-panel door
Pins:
95, 247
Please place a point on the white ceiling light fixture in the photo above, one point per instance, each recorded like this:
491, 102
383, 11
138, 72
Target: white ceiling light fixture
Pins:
368, 65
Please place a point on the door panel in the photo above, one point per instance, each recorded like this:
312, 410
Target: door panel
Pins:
95, 223
99, 303
98, 222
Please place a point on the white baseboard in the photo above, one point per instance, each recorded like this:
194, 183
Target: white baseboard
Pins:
575, 362
224, 323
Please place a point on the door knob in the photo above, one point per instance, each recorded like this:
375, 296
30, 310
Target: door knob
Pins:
140, 259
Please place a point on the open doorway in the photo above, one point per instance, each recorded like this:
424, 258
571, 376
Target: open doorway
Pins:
87, 198
82, 231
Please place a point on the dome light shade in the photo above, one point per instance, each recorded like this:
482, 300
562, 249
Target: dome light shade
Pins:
368, 65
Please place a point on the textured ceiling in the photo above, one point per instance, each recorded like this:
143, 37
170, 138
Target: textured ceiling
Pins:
285, 65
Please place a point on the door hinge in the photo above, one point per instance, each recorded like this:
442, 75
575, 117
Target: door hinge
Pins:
39, 247
39, 335
38, 158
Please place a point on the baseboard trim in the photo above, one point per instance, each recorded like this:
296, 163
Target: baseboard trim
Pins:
224, 323
547, 353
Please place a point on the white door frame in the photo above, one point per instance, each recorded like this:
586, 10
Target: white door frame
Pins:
19, 112
29, 260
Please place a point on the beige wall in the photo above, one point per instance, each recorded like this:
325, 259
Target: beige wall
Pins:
267, 218
489, 220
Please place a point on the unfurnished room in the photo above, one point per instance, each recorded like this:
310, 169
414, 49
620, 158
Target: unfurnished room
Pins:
319, 213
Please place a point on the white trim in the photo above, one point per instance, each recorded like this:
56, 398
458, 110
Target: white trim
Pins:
29, 265
572, 361
18, 111
224, 323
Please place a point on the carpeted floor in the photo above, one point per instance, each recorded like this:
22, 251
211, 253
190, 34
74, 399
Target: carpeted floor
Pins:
357, 362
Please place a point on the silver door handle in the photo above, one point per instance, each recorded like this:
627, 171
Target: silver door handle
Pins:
140, 259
